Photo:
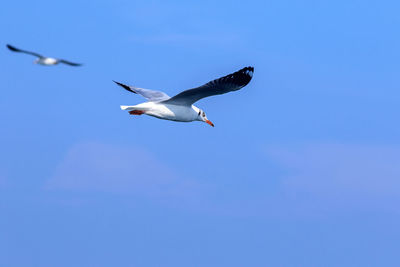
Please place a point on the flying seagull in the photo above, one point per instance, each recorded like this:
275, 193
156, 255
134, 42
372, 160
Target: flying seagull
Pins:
180, 107
47, 61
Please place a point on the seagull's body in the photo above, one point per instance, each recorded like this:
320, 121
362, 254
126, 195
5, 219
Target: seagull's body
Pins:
42, 60
46, 61
165, 111
180, 107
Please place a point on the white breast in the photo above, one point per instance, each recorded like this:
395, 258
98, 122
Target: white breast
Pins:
170, 112
47, 61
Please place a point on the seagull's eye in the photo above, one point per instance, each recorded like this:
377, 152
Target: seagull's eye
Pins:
199, 112
204, 114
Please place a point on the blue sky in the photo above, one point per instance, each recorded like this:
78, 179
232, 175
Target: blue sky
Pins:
301, 169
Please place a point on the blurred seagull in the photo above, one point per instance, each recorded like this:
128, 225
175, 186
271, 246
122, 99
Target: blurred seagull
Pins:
46, 61
180, 107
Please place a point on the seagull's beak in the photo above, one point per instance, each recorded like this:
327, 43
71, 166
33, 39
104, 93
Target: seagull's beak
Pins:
209, 122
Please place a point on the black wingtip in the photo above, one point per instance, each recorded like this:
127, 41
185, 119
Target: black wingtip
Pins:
12, 48
248, 69
242, 77
126, 87
120, 84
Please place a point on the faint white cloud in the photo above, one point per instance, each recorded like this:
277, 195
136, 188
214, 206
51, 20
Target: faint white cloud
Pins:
107, 168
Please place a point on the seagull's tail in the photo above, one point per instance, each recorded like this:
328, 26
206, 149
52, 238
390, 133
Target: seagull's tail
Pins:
128, 108
133, 110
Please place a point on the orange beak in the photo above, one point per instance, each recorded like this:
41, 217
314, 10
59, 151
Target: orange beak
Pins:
209, 122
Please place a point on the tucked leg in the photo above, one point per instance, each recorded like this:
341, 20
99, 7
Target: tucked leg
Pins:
136, 112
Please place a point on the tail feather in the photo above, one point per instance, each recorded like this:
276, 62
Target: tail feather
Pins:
128, 108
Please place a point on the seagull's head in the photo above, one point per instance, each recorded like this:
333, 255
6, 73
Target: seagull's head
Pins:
201, 116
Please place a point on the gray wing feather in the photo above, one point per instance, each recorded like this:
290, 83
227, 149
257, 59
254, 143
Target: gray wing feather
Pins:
14, 49
146, 93
228, 83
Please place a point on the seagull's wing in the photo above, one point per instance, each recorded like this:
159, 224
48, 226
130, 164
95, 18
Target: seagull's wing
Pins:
228, 83
12, 48
146, 93
69, 63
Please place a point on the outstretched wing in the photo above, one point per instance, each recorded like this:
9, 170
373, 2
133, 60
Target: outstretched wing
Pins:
146, 93
14, 49
69, 63
228, 83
